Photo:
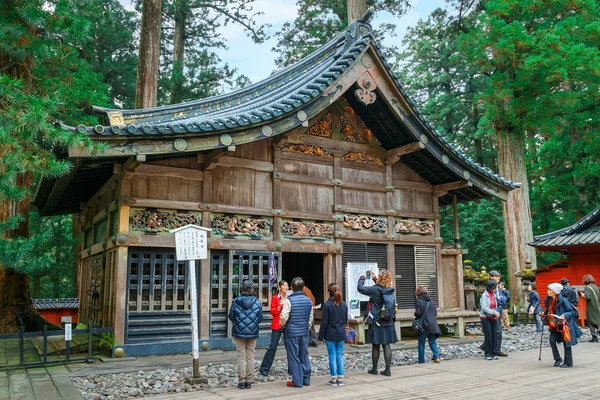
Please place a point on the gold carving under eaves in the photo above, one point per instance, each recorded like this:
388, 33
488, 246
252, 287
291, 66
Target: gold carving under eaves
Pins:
307, 149
322, 128
156, 221
241, 226
353, 128
367, 223
408, 226
362, 158
301, 230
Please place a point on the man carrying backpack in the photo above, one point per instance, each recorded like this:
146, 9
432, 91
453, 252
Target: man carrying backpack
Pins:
380, 315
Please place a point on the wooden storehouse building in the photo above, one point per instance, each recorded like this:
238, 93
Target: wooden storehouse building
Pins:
323, 163
579, 245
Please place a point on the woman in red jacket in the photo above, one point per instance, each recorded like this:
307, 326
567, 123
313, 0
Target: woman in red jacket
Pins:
277, 302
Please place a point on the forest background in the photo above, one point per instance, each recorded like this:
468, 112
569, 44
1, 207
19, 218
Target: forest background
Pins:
483, 71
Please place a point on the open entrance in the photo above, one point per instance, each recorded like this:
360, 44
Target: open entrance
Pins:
309, 267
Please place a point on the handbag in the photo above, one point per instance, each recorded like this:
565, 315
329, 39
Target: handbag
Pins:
417, 323
350, 335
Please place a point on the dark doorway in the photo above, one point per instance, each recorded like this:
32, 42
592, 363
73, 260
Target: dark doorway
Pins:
308, 266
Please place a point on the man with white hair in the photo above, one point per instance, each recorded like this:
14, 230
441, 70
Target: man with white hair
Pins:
500, 300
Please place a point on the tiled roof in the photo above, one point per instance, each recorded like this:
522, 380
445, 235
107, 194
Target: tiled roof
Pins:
274, 97
49, 304
586, 231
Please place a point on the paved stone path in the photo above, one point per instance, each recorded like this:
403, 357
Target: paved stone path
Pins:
518, 376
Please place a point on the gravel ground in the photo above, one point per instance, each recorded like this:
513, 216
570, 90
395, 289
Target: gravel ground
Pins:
163, 381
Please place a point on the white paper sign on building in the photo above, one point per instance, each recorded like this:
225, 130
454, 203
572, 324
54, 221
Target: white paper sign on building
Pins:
353, 273
191, 242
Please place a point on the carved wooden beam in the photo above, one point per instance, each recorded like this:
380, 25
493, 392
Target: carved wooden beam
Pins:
394, 155
452, 186
210, 159
337, 147
227, 161
161, 170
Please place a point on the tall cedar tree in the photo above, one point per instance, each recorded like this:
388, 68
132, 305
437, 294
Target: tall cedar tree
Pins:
542, 61
41, 77
320, 20
191, 32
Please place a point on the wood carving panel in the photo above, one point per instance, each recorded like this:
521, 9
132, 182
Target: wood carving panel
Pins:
365, 223
157, 221
412, 226
242, 226
307, 149
353, 128
322, 128
307, 231
363, 158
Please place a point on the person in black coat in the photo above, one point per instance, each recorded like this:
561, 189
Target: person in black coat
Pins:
246, 315
430, 329
380, 333
333, 330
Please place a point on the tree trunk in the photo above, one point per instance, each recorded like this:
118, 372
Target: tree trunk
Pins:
177, 79
356, 9
16, 308
148, 61
517, 215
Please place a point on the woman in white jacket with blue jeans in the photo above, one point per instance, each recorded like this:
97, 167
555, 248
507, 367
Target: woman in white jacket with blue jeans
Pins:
489, 319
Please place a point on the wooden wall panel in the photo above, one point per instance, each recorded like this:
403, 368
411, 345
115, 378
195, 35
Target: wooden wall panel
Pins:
362, 176
404, 200
306, 168
180, 162
306, 198
258, 151
402, 172
423, 202
364, 199
263, 196
166, 188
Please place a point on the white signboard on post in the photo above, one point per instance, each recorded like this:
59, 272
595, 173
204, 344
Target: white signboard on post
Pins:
191, 242
353, 272
191, 245
68, 332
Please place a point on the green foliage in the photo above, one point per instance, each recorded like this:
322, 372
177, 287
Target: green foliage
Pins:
481, 232
320, 20
57, 277
526, 67
202, 74
42, 79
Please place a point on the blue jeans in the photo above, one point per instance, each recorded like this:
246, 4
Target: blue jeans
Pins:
335, 350
432, 345
538, 322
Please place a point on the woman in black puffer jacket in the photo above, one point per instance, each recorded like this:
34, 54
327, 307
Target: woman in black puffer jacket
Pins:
430, 330
246, 315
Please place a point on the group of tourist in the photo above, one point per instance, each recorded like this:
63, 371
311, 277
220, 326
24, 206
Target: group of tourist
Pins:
561, 315
292, 314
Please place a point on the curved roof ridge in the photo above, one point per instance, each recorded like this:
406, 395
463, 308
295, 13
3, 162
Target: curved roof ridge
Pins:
484, 171
580, 226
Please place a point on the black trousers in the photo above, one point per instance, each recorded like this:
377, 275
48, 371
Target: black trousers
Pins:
498, 343
555, 337
489, 326
267, 361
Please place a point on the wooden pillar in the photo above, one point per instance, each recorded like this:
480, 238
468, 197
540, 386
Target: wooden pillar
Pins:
121, 279
455, 215
204, 299
438, 251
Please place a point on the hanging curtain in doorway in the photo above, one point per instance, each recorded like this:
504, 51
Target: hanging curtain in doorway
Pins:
272, 269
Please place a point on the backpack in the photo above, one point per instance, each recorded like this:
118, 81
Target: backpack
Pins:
388, 311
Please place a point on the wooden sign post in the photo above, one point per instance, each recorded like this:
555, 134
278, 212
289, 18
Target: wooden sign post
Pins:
191, 244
